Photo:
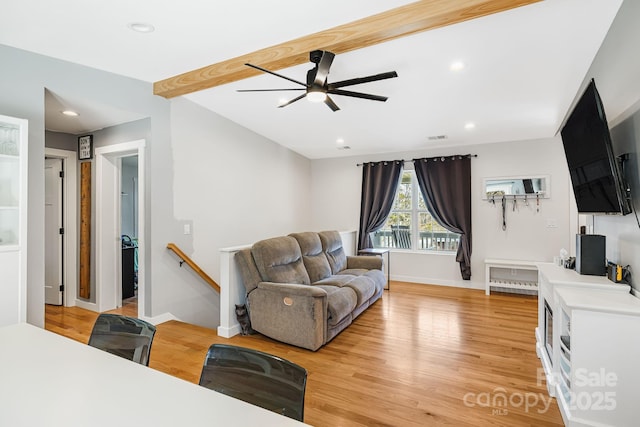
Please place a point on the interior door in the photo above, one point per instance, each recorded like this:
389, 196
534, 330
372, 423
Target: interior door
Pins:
53, 240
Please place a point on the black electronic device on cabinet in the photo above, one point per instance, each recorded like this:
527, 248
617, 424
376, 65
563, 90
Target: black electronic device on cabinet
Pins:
591, 254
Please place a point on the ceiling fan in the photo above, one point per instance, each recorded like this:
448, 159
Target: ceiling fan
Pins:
318, 89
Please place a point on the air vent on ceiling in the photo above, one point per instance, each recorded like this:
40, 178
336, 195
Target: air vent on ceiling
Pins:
343, 147
437, 137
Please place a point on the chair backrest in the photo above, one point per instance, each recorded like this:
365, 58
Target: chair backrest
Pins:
255, 377
123, 336
401, 236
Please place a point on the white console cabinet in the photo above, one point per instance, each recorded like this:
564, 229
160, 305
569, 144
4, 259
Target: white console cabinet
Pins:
507, 275
587, 343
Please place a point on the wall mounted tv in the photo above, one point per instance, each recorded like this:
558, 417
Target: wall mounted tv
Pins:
595, 173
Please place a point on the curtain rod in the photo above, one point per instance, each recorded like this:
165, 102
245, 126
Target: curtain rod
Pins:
411, 161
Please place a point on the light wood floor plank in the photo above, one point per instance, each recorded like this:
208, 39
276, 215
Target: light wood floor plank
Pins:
423, 355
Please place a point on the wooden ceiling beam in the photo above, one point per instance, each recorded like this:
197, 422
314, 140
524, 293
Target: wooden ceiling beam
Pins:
399, 22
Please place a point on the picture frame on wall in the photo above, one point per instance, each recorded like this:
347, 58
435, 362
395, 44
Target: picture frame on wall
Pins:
85, 147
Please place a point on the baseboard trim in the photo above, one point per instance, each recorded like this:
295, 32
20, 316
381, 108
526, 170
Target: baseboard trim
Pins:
91, 306
156, 320
228, 332
467, 284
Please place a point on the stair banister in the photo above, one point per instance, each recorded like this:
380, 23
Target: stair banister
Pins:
185, 259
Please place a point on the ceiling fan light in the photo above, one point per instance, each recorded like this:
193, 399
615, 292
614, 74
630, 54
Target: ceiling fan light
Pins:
316, 96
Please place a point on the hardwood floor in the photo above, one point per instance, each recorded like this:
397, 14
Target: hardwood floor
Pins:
422, 355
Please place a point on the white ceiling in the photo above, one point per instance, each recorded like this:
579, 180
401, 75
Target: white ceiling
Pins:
522, 70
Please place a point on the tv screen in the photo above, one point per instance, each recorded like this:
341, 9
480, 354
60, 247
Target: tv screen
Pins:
594, 171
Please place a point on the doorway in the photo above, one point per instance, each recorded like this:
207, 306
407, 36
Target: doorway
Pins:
129, 228
109, 192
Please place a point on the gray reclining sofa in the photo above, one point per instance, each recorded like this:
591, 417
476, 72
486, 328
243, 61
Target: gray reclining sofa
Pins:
303, 290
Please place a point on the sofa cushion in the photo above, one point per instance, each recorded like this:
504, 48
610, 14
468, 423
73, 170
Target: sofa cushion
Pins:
340, 303
279, 260
364, 287
332, 247
338, 280
354, 271
315, 261
378, 278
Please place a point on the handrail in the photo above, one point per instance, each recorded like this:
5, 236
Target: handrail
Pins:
184, 258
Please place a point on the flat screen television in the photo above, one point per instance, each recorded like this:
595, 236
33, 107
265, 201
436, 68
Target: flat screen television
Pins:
595, 175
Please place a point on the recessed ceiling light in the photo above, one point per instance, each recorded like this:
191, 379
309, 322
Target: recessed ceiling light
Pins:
456, 66
70, 113
470, 125
141, 27
340, 141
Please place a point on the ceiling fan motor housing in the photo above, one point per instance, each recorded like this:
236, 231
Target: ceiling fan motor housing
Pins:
315, 56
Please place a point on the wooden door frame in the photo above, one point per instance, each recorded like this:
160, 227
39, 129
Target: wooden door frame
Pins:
69, 222
108, 224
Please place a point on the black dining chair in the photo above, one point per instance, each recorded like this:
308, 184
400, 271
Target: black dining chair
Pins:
255, 377
123, 336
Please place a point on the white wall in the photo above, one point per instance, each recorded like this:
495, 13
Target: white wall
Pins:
231, 187
336, 187
61, 141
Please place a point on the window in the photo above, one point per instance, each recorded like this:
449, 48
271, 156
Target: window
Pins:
409, 209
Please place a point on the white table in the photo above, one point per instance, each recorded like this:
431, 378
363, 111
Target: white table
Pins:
50, 380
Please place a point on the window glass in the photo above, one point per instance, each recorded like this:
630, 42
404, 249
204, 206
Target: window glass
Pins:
410, 225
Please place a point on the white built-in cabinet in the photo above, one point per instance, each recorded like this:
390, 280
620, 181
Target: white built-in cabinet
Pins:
13, 220
587, 341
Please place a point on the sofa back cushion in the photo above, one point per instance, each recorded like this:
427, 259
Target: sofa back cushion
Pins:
279, 260
315, 261
332, 247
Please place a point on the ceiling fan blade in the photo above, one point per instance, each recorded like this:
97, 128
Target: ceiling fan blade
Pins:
323, 68
292, 101
331, 104
357, 94
275, 74
357, 81
264, 90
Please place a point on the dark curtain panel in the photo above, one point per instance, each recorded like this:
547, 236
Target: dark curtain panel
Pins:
445, 183
379, 184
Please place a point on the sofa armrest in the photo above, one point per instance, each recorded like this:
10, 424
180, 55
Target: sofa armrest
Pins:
295, 314
364, 261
